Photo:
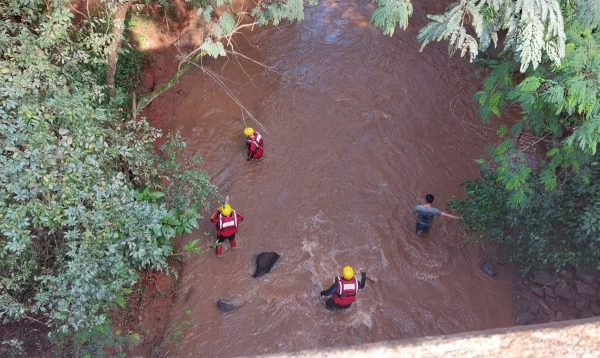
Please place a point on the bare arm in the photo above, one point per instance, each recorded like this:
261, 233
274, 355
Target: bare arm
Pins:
450, 215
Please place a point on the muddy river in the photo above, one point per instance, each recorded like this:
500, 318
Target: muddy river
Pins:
358, 128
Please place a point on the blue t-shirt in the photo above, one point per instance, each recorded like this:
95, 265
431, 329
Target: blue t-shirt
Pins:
426, 215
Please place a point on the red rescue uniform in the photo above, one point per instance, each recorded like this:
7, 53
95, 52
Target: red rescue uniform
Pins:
255, 146
226, 225
345, 294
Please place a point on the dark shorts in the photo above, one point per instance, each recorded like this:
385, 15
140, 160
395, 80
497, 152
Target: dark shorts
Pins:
421, 228
330, 305
220, 239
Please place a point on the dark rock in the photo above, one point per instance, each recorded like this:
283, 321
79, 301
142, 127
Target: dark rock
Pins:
585, 289
595, 308
264, 262
538, 291
566, 274
585, 277
543, 278
559, 316
531, 307
229, 304
549, 292
563, 290
488, 268
524, 318
580, 304
554, 304
587, 313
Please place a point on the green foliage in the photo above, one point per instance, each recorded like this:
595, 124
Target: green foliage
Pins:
129, 69
97, 341
192, 247
220, 21
543, 208
392, 13
85, 201
560, 105
534, 28
560, 227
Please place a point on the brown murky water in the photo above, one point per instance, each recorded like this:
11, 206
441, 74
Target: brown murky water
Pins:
359, 128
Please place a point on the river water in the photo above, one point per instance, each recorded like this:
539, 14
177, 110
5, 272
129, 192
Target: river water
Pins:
358, 128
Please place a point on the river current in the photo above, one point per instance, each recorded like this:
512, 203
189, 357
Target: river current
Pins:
358, 127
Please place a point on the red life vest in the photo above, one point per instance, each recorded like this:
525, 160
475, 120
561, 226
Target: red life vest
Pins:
227, 225
255, 146
345, 294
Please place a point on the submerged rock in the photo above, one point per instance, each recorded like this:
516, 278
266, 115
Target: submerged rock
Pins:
228, 304
488, 268
264, 262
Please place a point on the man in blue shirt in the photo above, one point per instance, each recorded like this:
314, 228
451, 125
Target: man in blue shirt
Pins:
426, 213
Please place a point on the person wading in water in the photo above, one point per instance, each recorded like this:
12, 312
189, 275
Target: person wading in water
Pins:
426, 213
254, 143
226, 222
344, 289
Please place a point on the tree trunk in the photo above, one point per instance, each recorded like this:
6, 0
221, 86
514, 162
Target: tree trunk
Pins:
113, 49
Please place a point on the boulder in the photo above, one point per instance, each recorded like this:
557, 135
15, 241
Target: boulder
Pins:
566, 274
488, 268
563, 290
580, 304
228, 304
559, 316
549, 292
585, 277
543, 278
595, 308
264, 262
524, 318
584, 289
537, 290
531, 307
586, 313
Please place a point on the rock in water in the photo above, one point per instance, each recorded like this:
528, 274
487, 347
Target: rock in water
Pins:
228, 304
488, 268
264, 262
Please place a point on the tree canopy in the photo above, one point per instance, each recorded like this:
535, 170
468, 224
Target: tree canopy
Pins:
83, 204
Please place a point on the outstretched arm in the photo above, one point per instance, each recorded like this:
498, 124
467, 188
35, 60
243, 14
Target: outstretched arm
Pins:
330, 290
450, 215
363, 280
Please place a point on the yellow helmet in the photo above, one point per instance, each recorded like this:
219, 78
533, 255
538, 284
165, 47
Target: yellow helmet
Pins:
225, 209
348, 272
248, 131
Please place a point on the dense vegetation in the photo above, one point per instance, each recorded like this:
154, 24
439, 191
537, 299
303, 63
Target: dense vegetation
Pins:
541, 197
86, 201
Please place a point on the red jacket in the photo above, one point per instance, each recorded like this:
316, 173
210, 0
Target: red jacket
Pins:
345, 294
255, 146
226, 225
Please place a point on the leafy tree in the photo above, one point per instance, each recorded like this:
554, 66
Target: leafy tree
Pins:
85, 203
534, 28
544, 206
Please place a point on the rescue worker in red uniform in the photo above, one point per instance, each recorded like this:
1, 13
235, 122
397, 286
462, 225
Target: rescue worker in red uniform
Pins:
254, 143
226, 221
344, 289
